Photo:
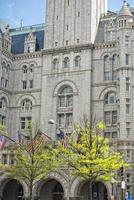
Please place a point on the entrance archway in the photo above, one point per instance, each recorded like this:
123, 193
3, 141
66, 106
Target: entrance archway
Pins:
99, 191
13, 190
51, 190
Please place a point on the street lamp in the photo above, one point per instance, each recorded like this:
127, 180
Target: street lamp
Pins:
112, 183
51, 121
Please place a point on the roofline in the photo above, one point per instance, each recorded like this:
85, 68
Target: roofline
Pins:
27, 29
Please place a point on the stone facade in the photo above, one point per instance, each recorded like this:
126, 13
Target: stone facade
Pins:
85, 67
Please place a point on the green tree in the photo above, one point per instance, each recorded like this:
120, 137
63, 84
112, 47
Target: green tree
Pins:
91, 156
35, 156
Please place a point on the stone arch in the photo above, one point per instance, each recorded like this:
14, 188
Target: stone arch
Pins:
6, 97
5, 179
4, 61
79, 182
27, 96
24, 64
105, 54
60, 177
63, 83
32, 63
105, 91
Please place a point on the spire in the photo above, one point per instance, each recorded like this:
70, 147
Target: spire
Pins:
125, 10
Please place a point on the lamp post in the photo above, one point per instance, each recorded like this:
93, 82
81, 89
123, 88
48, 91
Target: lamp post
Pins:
112, 183
51, 121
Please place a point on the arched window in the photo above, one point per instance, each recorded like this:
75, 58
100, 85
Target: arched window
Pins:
110, 115
77, 61
3, 109
66, 97
65, 107
66, 62
55, 63
114, 61
107, 68
3, 104
110, 98
24, 69
114, 66
3, 64
31, 68
26, 105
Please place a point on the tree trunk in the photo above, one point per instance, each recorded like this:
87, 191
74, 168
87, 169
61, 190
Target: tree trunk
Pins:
90, 190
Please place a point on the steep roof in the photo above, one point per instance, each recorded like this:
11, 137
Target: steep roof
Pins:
125, 10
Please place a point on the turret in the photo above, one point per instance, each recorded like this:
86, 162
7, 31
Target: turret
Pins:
124, 23
6, 40
125, 16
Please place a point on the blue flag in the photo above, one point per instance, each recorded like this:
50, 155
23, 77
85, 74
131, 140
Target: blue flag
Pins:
62, 135
130, 196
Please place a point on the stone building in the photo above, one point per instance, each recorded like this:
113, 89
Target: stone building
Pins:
79, 62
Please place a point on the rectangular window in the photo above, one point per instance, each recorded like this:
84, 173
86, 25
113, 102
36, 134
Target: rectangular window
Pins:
66, 42
24, 85
127, 100
127, 108
127, 79
69, 118
128, 131
127, 58
2, 120
114, 135
61, 101
107, 118
78, 41
114, 75
69, 101
61, 119
31, 84
114, 117
24, 122
128, 155
127, 86
128, 178
4, 158
107, 76
2, 81
6, 83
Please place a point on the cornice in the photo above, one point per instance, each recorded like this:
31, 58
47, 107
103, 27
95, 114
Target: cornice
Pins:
23, 56
9, 92
26, 91
67, 49
105, 45
125, 68
109, 83
7, 54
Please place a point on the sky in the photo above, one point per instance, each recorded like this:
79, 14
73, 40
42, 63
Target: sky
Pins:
33, 11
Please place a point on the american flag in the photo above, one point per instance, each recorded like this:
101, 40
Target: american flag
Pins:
2, 142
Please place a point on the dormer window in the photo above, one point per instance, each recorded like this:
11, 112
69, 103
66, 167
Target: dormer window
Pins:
30, 43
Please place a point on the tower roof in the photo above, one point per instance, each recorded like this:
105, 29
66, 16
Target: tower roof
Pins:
125, 10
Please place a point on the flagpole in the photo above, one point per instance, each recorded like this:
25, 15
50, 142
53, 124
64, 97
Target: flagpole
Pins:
8, 137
